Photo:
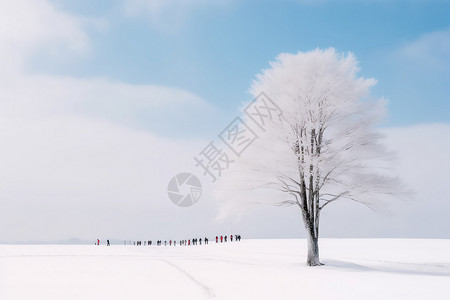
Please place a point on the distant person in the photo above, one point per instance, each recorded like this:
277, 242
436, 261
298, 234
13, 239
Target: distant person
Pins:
225, 239
98, 242
189, 242
231, 238
170, 243
206, 241
221, 238
107, 243
217, 239
200, 241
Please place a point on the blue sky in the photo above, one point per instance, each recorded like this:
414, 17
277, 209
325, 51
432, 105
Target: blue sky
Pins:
103, 102
215, 50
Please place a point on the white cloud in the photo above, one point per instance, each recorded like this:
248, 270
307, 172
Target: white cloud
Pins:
26, 26
129, 105
155, 7
159, 6
78, 177
168, 15
429, 52
76, 158
32, 23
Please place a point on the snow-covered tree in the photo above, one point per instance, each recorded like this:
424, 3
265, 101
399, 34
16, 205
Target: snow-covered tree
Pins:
319, 147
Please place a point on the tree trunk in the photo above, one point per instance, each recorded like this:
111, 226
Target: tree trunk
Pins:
313, 249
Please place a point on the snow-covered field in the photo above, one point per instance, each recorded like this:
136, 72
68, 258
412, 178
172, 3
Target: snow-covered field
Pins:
251, 269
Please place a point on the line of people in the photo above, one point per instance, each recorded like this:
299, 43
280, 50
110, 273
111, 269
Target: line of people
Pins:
237, 238
98, 243
194, 241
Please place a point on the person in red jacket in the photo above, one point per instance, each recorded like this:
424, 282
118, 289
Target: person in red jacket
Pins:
98, 242
217, 239
221, 238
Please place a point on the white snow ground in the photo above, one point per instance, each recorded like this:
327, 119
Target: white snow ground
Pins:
250, 269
